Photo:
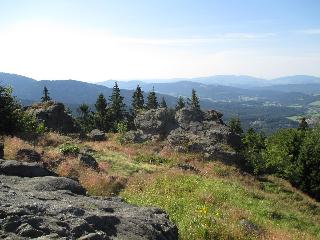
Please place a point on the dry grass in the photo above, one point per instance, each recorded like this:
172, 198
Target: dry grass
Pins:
52, 139
99, 183
12, 145
70, 168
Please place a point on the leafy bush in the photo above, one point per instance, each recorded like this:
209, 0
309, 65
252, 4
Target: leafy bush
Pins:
69, 149
253, 144
308, 164
121, 128
292, 154
151, 159
282, 151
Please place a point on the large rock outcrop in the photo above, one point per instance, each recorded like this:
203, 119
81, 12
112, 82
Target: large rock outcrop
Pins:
50, 207
188, 130
204, 132
54, 116
153, 124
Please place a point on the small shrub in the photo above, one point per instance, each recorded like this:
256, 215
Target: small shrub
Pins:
121, 128
151, 159
69, 149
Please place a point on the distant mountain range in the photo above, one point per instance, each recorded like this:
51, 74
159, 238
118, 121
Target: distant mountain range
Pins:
293, 92
241, 81
263, 104
67, 91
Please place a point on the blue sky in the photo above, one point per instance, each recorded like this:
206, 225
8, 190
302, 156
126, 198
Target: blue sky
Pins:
138, 39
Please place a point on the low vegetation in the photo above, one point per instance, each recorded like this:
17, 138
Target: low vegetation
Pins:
254, 199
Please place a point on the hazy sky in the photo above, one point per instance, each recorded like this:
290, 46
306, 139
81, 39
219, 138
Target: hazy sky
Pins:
94, 40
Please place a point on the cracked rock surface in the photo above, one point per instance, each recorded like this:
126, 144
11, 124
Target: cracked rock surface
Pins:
50, 207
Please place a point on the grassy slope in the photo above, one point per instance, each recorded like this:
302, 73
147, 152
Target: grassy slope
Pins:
205, 205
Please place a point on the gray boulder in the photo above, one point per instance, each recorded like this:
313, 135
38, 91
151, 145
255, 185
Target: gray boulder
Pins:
51, 183
213, 115
28, 155
204, 133
23, 169
88, 161
56, 208
185, 116
97, 135
136, 136
54, 116
155, 121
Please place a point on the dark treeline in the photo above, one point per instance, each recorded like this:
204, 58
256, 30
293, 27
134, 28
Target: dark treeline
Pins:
112, 115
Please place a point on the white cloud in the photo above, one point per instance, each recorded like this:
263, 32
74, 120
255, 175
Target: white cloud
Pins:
198, 40
311, 31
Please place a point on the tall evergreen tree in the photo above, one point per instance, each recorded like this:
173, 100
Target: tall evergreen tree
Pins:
303, 125
116, 105
137, 100
101, 112
45, 97
180, 103
235, 125
152, 102
194, 101
85, 118
163, 103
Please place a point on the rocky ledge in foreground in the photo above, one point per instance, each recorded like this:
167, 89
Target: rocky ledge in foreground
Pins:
50, 207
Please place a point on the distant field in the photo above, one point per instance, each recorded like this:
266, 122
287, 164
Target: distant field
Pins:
294, 118
315, 104
295, 106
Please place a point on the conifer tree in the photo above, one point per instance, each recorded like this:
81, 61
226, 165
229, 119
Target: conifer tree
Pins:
163, 103
45, 97
85, 118
137, 100
303, 125
194, 102
116, 105
235, 125
152, 102
180, 103
101, 112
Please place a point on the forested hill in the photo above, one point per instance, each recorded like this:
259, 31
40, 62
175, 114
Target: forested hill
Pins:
67, 91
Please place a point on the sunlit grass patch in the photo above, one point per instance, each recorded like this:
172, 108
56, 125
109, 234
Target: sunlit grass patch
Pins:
122, 164
211, 208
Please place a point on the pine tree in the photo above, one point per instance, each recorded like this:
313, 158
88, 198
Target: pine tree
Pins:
163, 103
152, 102
137, 100
45, 97
85, 118
303, 125
235, 125
194, 102
83, 110
180, 103
101, 112
116, 106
